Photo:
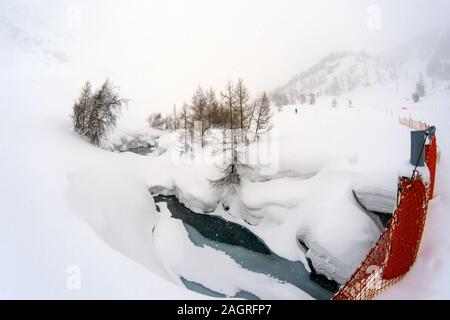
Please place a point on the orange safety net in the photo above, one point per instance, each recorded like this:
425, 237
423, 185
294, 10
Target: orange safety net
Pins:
397, 249
431, 161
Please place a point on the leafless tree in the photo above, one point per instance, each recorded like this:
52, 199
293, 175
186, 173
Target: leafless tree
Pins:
263, 116
156, 121
169, 123
94, 114
199, 110
253, 106
420, 86
234, 111
184, 124
334, 103
302, 98
230, 178
312, 99
106, 106
229, 100
82, 109
212, 109
229, 181
243, 107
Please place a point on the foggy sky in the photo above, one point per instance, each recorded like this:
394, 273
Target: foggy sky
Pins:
160, 51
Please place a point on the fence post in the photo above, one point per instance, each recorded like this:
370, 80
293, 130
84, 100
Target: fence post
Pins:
417, 148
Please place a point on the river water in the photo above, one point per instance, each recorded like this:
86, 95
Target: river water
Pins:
244, 247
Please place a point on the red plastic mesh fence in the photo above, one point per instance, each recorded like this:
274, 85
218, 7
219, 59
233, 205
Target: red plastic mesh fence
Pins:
431, 158
397, 249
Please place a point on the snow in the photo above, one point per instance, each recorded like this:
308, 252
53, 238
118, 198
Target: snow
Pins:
75, 202
224, 275
302, 213
284, 210
42, 234
66, 203
320, 210
429, 277
377, 192
124, 224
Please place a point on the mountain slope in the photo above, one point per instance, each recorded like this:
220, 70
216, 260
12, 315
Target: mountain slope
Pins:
343, 72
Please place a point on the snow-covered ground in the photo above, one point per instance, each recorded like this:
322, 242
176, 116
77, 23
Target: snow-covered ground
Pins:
429, 278
71, 213
227, 277
66, 203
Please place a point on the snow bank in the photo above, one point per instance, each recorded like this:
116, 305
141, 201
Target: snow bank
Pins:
338, 239
334, 151
324, 154
68, 208
321, 213
66, 203
212, 268
377, 192
126, 223
429, 278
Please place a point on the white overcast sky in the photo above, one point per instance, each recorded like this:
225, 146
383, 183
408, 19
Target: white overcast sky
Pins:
160, 50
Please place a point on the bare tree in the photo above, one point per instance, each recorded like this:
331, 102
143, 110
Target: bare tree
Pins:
174, 118
243, 107
230, 179
263, 116
106, 106
302, 98
223, 115
82, 109
312, 99
280, 99
212, 109
169, 122
233, 111
156, 121
334, 103
95, 114
199, 109
184, 124
254, 105
229, 100
420, 86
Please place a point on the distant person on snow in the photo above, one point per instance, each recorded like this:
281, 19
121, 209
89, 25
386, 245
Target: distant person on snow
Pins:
296, 111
